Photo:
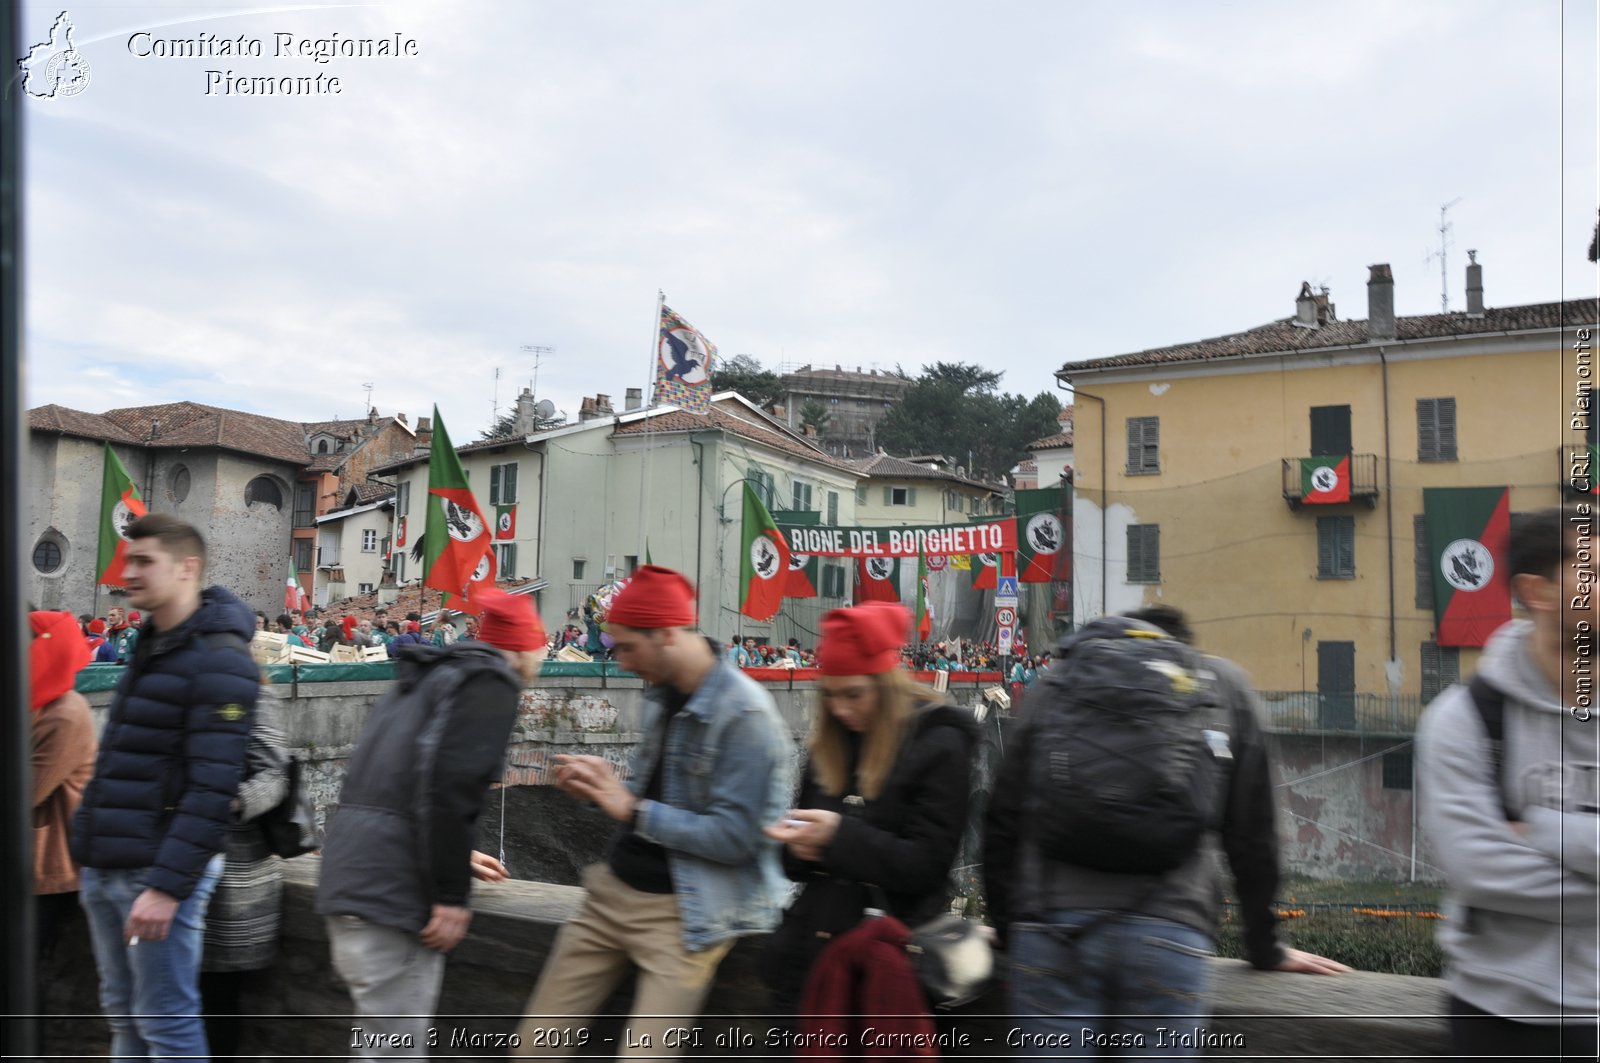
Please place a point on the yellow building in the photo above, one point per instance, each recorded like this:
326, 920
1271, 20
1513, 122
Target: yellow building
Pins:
1188, 470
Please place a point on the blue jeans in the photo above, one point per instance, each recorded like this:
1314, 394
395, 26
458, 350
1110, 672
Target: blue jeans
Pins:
1129, 985
149, 992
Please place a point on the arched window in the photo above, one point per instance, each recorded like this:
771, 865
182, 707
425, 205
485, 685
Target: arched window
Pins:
47, 556
322, 446
178, 483
264, 489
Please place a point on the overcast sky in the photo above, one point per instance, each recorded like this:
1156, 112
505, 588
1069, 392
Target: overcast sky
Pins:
864, 183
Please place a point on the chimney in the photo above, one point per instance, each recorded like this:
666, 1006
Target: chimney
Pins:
1474, 285
424, 434
400, 417
1325, 309
526, 419
777, 410
602, 405
586, 409
1305, 307
632, 399
810, 431
1380, 303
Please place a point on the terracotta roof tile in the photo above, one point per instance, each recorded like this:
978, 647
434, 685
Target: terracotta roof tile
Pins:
77, 423
1060, 439
680, 421
889, 467
1283, 337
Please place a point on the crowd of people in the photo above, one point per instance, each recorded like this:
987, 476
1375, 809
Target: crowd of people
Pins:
717, 838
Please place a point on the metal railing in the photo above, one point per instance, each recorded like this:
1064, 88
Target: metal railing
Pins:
1363, 479
1310, 711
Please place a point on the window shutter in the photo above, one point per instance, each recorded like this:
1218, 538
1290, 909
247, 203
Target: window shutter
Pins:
1427, 430
1347, 546
833, 507
508, 485
888, 496
494, 484
1326, 548
1152, 552
1447, 429
1422, 561
911, 496
1152, 444
1135, 444
508, 561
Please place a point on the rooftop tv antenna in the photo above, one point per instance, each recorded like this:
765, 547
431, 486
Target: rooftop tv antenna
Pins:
1443, 254
538, 351
368, 389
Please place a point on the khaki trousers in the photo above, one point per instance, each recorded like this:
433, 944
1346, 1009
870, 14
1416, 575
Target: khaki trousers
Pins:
616, 927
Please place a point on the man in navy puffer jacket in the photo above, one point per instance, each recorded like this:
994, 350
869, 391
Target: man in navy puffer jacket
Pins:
151, 828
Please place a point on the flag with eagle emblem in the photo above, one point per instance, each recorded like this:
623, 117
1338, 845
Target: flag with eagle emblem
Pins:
763, 563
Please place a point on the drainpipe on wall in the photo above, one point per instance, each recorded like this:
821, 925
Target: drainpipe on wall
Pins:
538, 549
1388, 514
1105, 496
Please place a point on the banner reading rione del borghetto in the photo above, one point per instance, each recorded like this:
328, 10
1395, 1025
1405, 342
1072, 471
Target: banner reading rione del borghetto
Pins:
994, 536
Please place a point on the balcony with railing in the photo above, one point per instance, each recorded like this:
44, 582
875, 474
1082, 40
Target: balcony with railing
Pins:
1313, 712
1363, 480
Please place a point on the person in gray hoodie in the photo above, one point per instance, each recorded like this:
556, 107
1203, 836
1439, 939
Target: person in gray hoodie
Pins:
1518, 847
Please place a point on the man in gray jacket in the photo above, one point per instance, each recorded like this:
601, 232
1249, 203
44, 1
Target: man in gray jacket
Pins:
1515, 830
397, 864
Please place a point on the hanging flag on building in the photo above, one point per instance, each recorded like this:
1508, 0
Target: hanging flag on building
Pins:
763, 563
877, 579
683, 365
400, 532
1042, 550
294, 595
1325, 479
505, 522
456, 537
984, 570
802, 577
1468, 532
120, 506
924, 600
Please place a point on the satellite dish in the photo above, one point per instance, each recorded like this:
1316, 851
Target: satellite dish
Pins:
545, 409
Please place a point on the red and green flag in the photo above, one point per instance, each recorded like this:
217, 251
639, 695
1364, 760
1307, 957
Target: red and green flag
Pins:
1325, 479
985, 567
924, 602
120, 506
803, 568
505, 522
1042, 550
456, 536
1468, 532
763, 563
877, 579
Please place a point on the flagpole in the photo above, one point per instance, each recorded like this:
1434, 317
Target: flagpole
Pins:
650, 382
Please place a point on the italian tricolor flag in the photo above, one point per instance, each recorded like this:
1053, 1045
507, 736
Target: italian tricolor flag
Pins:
1468, 532
763, 563
294, 595
456, 536
924, 604
1325, 479
120, 505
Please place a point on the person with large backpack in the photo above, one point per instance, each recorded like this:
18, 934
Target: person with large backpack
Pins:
1508, 777
1098, 870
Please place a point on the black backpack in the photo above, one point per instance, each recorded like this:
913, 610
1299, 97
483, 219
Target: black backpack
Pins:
1122, 773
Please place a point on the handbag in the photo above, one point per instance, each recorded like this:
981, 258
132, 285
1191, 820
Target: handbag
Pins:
952, 958
290, 826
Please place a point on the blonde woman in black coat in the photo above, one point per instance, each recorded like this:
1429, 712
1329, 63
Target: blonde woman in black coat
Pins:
883, 802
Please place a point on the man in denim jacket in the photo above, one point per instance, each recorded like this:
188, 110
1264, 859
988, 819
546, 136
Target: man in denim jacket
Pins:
689, 870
